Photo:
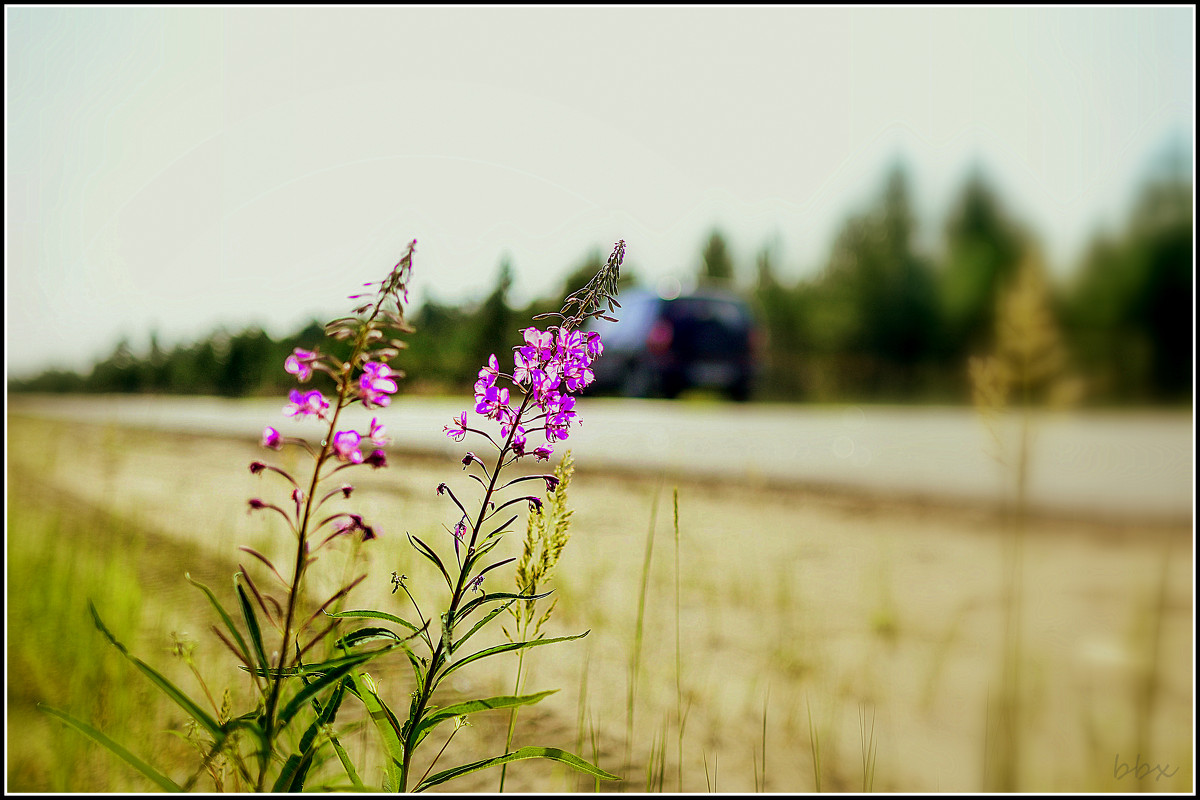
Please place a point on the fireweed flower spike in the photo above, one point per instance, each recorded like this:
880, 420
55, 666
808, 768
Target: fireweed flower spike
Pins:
511, 410
364, 377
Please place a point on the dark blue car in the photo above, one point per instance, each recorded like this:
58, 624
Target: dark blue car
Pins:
660, 347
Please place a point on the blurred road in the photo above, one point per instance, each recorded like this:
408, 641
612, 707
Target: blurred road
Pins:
1123, 465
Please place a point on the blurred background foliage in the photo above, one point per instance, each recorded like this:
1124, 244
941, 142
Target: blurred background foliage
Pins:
882, 319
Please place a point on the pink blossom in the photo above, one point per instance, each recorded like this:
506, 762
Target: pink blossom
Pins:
345, 447
299, 364
458, 430
271, 439
376, 384
378, 433
540, 344
304, 404
492, 402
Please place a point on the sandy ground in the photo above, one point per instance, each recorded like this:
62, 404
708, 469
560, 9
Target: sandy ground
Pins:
798, 612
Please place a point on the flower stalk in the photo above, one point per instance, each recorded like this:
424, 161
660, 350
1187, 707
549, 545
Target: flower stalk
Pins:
373, 389
550, 366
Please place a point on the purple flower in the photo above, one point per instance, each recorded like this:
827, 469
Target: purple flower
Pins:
300, 364
595, 347
578, 375
525, 365
257, 467
543, 382
304, 404
490, 370
518, 440
377, 433
540, 344
271, 439
543, 452
571, 345
377, 459
345, 447
492, 402
376, 384
475, 583
458, 430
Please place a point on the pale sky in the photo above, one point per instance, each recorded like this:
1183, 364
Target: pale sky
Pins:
179, 168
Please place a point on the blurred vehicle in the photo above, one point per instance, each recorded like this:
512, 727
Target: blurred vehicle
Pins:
662, 346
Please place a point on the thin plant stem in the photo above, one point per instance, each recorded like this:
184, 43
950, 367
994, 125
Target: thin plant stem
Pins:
302, 551
512, 714
425, 693
814, 744
678, 658
635, 661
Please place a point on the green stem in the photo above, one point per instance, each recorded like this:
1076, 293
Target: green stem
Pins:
343, 400
512, 714
440, 652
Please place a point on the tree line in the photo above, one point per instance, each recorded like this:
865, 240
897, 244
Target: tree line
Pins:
883, 319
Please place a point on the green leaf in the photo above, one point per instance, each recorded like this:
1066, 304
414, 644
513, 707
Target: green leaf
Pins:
490, 616
366, 635
323, 680
365, 614
252, 626
552, 753
228, 620
334, 663
387, 725
325, 717
182, 700
506, 648
475, 706
141, 766
291, 777
488, 598
427, 551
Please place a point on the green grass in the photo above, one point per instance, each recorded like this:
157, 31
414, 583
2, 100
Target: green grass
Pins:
56, 563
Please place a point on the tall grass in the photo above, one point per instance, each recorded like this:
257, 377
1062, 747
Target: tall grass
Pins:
56, 560
635, 658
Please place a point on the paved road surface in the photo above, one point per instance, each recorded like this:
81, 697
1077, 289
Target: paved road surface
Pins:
1115, 464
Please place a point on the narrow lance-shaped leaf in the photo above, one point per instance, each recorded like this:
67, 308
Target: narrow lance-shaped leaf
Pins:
367, 614
366, 635
492, 597
334, 663
475, 706
551, 753
427, 551
252, 627
150, 772
228, 620
490, 616
506, 648
386, 723
171, 690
